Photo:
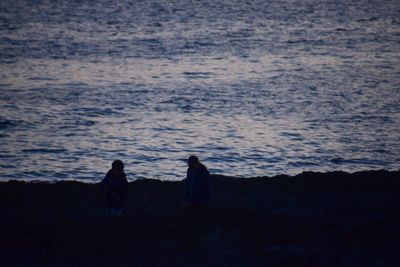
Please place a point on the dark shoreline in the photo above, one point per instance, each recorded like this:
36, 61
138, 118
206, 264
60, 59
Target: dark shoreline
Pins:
311, 219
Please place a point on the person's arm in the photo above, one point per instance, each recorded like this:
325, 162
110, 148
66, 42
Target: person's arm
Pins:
125, 186
188, 187
105, 180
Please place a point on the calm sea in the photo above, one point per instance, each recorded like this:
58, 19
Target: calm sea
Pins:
256, 87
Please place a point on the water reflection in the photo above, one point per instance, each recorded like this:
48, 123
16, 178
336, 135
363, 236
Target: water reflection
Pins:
253, 88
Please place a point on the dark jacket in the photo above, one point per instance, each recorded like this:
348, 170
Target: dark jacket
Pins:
198, 183
115, 185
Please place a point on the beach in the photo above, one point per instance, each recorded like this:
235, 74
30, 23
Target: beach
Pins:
293, 107
311, 219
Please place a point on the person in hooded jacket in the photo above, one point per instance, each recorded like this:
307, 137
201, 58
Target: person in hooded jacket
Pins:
115, 186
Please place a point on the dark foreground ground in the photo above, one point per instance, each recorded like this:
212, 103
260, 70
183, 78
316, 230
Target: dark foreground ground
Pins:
312, 219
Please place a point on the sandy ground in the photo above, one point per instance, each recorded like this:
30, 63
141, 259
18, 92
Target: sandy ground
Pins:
312, 219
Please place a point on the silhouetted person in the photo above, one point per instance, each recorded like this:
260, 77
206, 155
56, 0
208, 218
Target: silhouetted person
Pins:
115, 186
197, 183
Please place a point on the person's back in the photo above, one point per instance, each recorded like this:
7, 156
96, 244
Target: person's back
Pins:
115, 185
197, 183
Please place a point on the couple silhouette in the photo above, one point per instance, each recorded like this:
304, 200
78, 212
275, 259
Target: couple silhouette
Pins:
197, 186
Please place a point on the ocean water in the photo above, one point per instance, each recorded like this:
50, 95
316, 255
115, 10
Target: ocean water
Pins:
256, 87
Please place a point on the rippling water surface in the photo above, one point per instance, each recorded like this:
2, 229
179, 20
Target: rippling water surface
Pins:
252, 87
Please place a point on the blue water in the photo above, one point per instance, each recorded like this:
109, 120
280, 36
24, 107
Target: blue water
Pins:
251, 87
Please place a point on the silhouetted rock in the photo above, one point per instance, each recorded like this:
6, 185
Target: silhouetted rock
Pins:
312, 219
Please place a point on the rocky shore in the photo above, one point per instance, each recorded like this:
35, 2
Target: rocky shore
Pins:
312, 219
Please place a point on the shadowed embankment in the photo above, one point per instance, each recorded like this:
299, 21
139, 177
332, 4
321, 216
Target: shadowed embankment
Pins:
312, 219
